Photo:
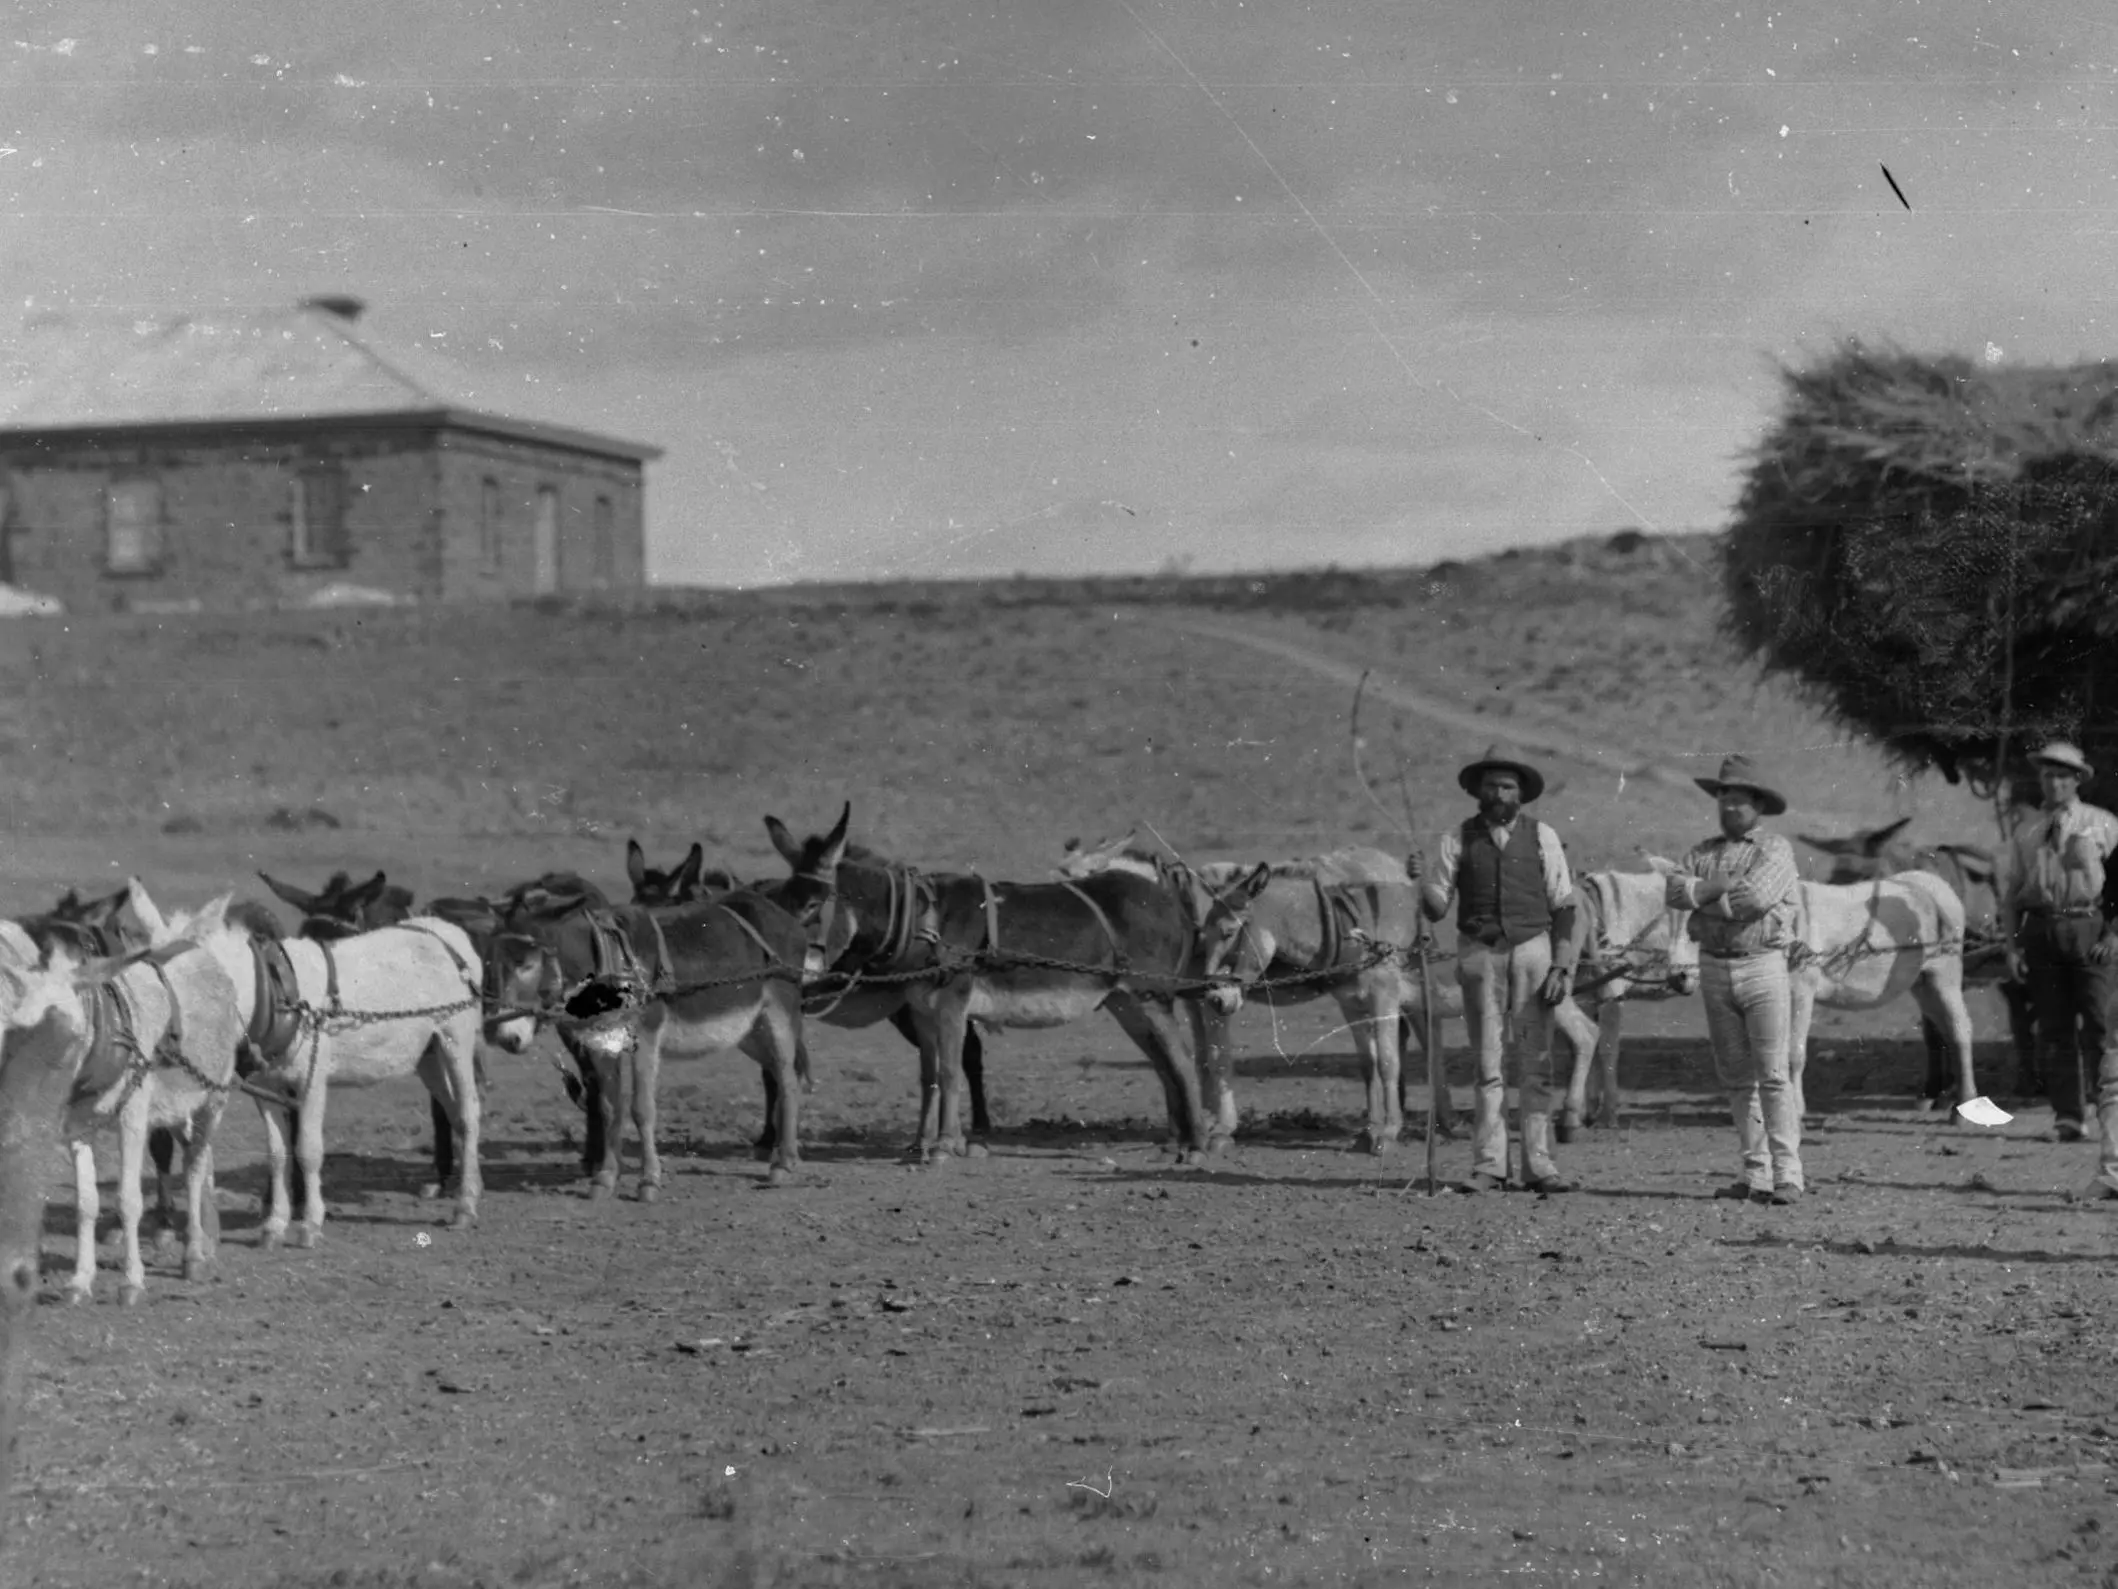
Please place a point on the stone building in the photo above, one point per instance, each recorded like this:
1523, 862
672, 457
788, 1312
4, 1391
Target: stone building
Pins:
244, 459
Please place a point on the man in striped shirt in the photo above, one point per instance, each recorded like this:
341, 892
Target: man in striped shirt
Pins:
1741, 887
2053, 908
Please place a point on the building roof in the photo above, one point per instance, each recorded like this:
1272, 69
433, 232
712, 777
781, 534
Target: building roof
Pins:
99, 371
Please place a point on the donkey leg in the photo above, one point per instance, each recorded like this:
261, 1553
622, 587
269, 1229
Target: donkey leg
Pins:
1211, 1050
767, 1139
974, 1080
1939, 993
309, 1158
132, 1203
161, 1148
775, 1042
1610, 1036
202, 1217
646, 1083
278, 1122
87, 1208
1578, 1032
462, 1046
1155, 1030
940, 1124
444, 1150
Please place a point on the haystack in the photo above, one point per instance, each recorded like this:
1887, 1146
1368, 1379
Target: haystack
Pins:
1928, 548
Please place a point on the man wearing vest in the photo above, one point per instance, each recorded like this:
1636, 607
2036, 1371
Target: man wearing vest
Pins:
1514, 901
1742, 888
2054, 910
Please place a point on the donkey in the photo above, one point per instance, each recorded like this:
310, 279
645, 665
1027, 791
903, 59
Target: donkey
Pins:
885, 947
398, 1001
1969, 870
623, 980
1629, 946
342, 909
1043, 954
44, 1041
164, 1033
1283, 933
690, 879
1860, 946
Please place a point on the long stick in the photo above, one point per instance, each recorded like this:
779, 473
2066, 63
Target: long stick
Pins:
1433, 1044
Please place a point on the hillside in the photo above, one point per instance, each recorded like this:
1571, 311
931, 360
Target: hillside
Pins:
971, 724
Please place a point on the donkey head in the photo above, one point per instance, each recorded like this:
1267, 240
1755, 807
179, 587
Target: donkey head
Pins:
1229, 945
689, 880
810, 895
342, 908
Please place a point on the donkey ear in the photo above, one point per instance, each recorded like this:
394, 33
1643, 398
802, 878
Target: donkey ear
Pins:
635, 864
783, 841
837, 836
300, 899
685, 880
144, 910
367, 893
1254, 881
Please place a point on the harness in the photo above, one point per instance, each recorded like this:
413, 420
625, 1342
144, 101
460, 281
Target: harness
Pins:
115, 1058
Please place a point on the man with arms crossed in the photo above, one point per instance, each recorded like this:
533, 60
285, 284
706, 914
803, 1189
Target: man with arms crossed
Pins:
1741, 887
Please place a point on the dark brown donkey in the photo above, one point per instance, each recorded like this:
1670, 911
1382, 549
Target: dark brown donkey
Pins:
621, 981
852, 990
1038, 954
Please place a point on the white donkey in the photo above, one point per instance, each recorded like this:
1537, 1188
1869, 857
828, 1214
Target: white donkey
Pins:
44, 1037
164, 1030
1864, 944
380, 1005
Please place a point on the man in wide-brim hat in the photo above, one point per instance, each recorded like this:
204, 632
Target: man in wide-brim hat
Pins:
1514, 897
2056, 910
1742, 889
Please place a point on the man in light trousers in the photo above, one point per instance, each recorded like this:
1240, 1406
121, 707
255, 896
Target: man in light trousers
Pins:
1742, 889
1508, 876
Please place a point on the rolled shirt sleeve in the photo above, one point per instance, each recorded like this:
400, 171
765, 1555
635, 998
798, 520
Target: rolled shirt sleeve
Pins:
1437, 883
1558, 877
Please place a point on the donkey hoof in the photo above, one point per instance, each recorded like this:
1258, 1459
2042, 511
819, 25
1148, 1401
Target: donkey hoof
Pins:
939, 1159
778, 1175
463, 1219
303, 1236
430, 1191
129, 1295
650, 1192
977, 1150
1566, 1125
76, 1295
269, 1238
196, 1269
166, 1243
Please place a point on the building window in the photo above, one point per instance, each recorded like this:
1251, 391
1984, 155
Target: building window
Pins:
604, 552
316, 513
132, 527
489, 525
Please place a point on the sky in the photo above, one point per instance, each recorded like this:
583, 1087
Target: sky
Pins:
919, 287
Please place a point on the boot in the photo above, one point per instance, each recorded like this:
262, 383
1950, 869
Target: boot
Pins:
1540, 1174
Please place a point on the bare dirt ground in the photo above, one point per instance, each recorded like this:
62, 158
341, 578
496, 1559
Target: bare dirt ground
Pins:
1064, 1362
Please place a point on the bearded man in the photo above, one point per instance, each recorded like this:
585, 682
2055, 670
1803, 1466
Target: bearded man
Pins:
1514, 895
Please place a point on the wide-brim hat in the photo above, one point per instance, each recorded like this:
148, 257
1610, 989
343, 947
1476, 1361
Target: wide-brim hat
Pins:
1502, 758
1740, 772
2059, 753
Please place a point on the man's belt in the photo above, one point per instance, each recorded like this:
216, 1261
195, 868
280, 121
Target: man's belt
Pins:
2062, 913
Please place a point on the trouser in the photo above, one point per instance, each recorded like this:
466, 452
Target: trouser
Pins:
1505, 1018
2073, 999
1747, 1018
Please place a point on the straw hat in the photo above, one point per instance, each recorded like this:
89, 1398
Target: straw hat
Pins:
2058, 753
1740, 772
1502, 758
